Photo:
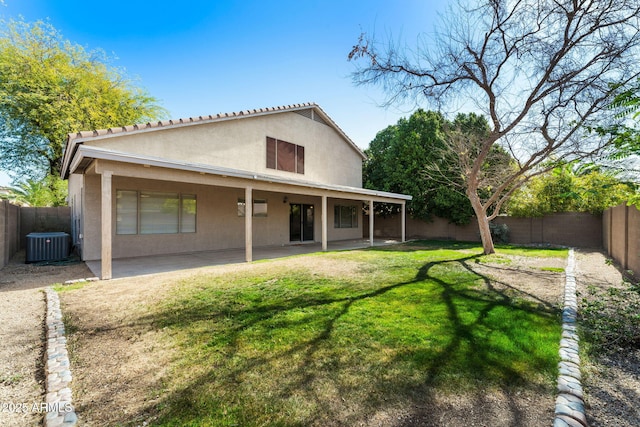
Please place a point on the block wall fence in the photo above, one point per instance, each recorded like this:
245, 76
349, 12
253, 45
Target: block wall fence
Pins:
621, 236
567, 229
16, 222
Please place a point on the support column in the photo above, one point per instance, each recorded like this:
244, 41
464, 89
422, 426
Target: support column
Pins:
248, 223
371, 216
106, 250
403, 215
324, 223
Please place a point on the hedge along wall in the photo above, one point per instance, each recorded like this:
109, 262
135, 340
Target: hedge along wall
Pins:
621, 236
9, 231
567, 229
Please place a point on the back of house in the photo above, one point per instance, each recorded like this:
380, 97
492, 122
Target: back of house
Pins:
254, 178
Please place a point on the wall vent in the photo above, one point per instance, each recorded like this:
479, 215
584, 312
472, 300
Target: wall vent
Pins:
305, 113
47, 247
319, 119
309, 113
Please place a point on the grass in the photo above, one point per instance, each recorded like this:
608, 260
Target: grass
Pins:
296, 343
11, 379
553, 269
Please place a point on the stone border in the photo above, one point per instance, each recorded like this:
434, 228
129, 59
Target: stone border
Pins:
60, 410
569, 411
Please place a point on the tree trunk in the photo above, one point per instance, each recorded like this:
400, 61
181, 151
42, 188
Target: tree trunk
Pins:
483, 222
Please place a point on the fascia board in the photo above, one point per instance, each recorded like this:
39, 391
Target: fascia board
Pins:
84, 151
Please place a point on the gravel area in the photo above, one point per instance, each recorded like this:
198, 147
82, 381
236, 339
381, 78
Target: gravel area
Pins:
22, 310
611, 381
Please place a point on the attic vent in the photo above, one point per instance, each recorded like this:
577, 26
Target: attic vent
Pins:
319, 119
306, 113
309, 113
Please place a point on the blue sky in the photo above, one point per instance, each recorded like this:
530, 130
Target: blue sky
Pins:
206, 57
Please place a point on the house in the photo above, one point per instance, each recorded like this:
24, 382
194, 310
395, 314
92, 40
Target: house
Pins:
242, 180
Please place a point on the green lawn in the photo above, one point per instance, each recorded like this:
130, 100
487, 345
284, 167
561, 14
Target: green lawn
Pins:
319, 338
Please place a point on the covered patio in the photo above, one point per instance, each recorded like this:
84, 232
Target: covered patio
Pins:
146, 265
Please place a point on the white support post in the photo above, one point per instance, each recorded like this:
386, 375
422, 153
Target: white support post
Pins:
248, 223
403, 216
371, 216
106, 249
324, 223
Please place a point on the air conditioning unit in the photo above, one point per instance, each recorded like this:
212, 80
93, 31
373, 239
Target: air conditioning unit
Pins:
47, 246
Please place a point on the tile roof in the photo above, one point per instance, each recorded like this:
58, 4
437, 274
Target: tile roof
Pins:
205, 119
76, 138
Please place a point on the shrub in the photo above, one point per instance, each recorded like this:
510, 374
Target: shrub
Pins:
499, 232
611, 318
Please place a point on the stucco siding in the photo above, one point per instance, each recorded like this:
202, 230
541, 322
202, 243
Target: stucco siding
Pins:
241, 144
75, 188
218, 225
92, 222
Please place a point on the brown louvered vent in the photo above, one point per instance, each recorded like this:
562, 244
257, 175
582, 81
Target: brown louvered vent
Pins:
319, 119
309, 113
306, 113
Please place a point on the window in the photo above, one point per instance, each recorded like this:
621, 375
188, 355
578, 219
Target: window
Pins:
126, 212
147, 212
345, 217
188, 214
158, 213
285, 156
259, 207
241, 207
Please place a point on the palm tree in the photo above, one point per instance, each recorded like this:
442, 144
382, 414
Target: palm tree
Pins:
50, 191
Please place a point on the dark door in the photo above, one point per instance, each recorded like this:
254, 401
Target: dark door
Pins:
301, 222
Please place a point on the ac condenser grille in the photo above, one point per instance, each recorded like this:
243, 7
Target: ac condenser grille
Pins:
47, 247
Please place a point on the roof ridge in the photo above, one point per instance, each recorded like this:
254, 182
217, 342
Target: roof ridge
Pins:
185, 120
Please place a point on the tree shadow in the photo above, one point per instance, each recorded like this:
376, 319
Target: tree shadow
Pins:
323, 386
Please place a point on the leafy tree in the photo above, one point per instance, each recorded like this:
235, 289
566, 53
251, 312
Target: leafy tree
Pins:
396, 162
50, 87
570, 189
625, 134
541, 71
411, 157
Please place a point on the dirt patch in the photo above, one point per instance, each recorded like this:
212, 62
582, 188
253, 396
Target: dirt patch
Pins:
536, 279
611, 381
22, 310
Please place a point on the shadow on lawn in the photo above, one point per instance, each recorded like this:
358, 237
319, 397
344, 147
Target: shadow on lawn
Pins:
310, 379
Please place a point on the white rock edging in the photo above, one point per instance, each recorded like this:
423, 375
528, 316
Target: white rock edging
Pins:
60, 410
569, 411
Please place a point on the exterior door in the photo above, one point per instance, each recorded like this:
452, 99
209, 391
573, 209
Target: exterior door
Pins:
300, 222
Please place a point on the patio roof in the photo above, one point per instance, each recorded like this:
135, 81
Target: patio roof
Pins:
86, 154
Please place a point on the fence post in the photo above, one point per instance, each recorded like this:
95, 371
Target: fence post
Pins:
609, 250
4, 208
626, 237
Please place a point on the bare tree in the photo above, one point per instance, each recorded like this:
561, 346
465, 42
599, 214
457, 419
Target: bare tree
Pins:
542, 71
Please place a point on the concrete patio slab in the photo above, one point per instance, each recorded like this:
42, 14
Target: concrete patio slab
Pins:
140, 266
